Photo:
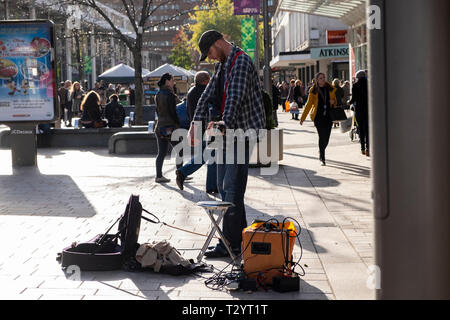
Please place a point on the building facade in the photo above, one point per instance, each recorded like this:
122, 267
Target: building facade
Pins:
305, 44
318, 19
86, 45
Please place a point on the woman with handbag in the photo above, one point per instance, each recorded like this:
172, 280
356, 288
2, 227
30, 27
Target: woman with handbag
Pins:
298, 98
166, 109
321, 98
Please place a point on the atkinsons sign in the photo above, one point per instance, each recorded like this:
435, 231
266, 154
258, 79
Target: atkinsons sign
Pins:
330, 52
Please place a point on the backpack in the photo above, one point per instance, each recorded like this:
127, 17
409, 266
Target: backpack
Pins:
109, 251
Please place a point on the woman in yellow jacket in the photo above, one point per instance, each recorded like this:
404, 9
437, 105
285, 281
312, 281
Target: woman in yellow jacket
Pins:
321, 98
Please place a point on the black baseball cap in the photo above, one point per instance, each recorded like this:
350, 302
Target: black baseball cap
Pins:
207, 39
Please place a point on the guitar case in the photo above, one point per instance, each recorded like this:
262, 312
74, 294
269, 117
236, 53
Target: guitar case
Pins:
107, 252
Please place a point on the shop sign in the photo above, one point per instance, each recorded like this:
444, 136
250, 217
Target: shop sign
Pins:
329, 52
336, 36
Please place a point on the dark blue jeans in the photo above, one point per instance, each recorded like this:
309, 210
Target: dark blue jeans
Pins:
232, 183
196, 163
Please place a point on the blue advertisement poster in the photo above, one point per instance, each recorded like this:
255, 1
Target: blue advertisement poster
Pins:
27, 78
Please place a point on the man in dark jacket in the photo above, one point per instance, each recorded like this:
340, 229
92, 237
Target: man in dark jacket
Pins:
194, 94
275, 101
360, 99
183, 173
114, 112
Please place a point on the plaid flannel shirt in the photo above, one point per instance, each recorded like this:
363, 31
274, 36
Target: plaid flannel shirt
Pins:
243, 105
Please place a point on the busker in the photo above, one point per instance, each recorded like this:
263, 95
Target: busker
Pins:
320, 99
235, 88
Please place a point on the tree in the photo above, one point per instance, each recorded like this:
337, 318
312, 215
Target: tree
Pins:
182, 51
219, 17
138, 13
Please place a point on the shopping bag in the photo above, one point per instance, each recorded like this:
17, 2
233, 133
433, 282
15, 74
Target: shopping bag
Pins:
346, 125
337, 114
286, 106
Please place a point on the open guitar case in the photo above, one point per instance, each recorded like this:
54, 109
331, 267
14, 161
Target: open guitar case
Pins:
109, 251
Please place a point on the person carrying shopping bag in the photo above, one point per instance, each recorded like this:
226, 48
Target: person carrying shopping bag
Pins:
321, 98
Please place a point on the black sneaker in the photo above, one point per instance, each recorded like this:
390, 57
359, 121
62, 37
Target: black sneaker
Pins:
180, 179
212, 191
220, 252
217, 252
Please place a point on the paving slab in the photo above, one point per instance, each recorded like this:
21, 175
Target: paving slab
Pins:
75, 194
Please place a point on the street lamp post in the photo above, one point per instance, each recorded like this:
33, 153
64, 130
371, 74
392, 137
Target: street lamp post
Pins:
267, 49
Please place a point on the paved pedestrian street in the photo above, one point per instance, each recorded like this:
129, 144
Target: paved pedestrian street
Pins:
74, 195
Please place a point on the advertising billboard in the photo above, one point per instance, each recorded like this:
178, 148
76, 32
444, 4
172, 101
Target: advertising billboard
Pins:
248, 42
27, 72
247, 7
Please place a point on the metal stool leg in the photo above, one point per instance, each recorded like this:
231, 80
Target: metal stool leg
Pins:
221, 235
210, 236
220, 207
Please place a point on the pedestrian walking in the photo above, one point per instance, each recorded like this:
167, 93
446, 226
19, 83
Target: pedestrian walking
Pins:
298, 97
197, 161
76, 96
320, 99
284, 93
339, 96
346, 90
235, 88
62, 92
166, 109
68, 105
109, 92
360, 101
275, 102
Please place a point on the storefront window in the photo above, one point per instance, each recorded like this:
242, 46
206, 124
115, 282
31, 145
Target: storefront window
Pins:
359, 43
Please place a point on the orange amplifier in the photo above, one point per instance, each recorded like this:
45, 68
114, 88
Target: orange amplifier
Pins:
266, 247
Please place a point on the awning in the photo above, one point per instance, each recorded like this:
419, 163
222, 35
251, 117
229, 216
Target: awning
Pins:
291, 60
349, 11
168, 68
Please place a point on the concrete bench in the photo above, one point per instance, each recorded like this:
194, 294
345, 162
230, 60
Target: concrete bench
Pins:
73, 138
148, 112
133, 143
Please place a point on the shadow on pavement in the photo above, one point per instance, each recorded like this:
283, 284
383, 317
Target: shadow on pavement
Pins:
350, 168
28, 192
294, 177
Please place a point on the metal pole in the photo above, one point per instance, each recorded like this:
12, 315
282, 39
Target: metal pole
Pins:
267, 50
93, 58
256, 17
410, 149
